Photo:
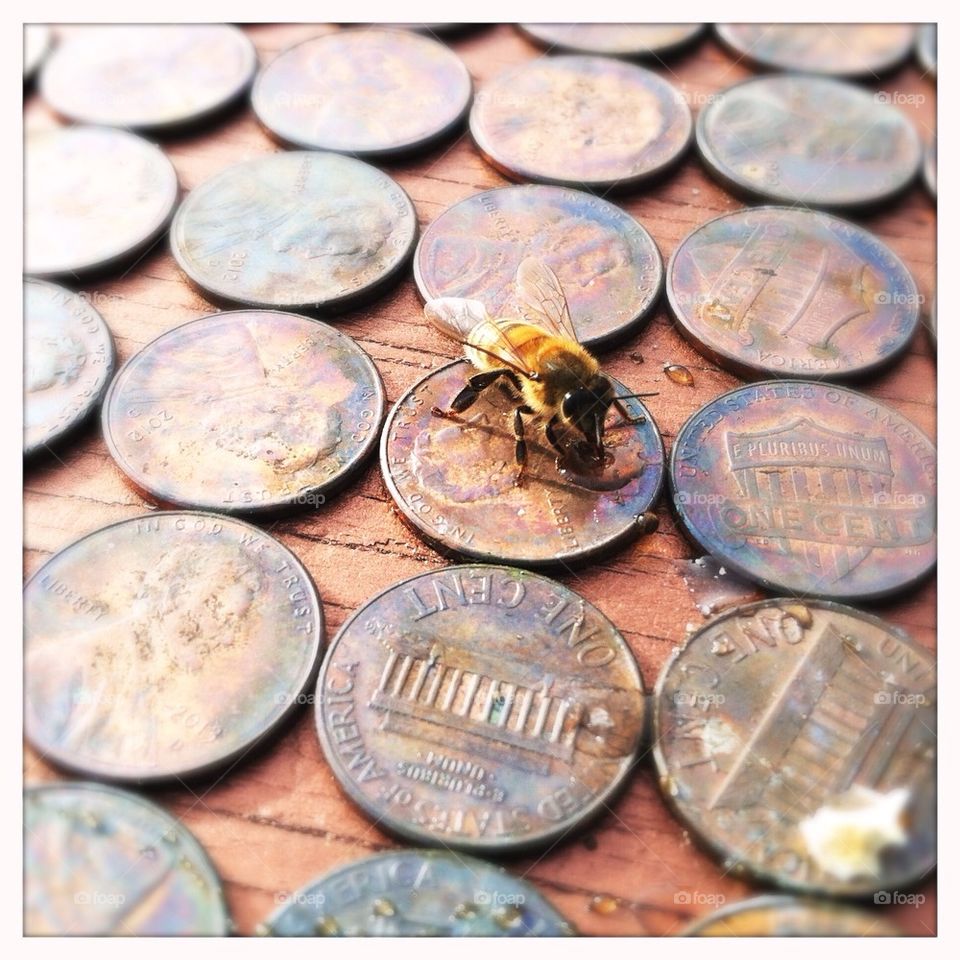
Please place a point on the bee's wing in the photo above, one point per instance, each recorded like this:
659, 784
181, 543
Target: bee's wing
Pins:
542, 299
468, 322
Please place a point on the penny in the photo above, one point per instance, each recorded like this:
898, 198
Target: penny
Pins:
609, 265
787, 292
808, 488
94, 197
368, 92
416, 893
930, 168
840, 49
614, 39
98, 861
811, 140
68, 362
243, 412
927, 47
165, 645
148, 76
797, 741
481, 708
455, 482
37, 40
773, 916
581, 121
295, 230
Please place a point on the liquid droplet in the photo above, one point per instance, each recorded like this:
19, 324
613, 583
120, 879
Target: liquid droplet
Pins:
678, 374
648, 522
326, 927
604, 905
800, 613
263, 930
383, 908
464, 911
636, 357
508, 917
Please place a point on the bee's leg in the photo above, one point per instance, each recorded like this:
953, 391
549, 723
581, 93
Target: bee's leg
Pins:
551, 431
521, 448
468, 396
625, 413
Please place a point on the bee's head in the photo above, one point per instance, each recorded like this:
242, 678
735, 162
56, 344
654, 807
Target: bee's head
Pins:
585, 408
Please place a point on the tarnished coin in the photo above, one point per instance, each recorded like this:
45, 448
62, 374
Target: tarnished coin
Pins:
246, 411
147, 76
455, 482
797, 741
165, 645
368, 92
791, 292
614, 39
68, 362
99, 861
37, 40
840, 49
481, 708
791, 917
808, 488
295, 230
416, 893
927, 47
609, 265
94, 197
811, 140
582, 121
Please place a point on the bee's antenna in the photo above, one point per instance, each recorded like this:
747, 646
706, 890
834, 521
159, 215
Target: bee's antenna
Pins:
632, 396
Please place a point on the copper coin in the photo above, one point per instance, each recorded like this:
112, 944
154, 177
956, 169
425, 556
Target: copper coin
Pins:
455, 482
797, 741
37, 40
609, 265
99, 862
480, 708
787, 292
927, 47
773, 916
840, 49
94, 197
614, 39
244, 412
368, 92
416, 893
581, 121
808, 488
165, 645
147, 76
68, 362
295, 230
810, 140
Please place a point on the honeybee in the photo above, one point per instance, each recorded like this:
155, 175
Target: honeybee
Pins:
553, 377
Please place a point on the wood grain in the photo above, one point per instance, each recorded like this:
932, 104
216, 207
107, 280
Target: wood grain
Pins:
276, 819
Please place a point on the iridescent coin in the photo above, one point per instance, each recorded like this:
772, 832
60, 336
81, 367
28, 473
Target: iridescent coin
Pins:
787, 292
614, 39
927, 47
808, 488
840, 49
455, 482
416, 893
810, 140
368, 92
797, 740
165, 645
480, 708
37, 40
791, 917
295, 230
94, 197
582, 121
609, 265
148, 76
103, 862
68, 362
246, 411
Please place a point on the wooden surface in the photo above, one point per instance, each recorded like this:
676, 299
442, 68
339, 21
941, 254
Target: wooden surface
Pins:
276, 819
